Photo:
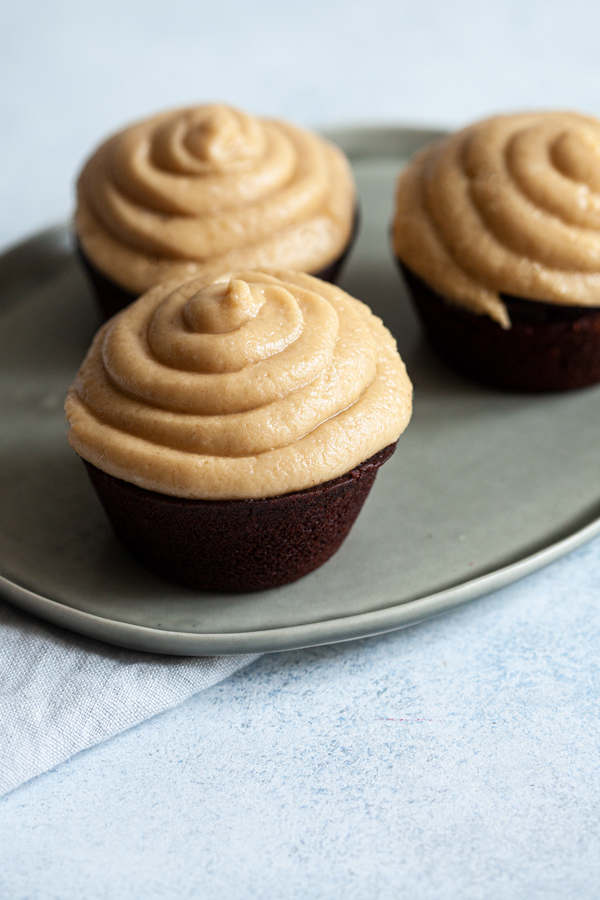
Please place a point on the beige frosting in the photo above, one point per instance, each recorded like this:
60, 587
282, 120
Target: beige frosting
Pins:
252, 386
510, 205
209, 189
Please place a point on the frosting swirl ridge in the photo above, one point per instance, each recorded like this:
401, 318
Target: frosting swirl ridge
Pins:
207, 189
510, 205
254, 385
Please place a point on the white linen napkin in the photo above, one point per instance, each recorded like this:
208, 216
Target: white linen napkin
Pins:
61, 693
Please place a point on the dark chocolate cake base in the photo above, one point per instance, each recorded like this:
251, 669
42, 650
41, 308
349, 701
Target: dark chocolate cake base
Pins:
112, 298
332, 272
236, 545
548, 348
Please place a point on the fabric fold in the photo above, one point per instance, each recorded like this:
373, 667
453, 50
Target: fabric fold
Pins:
61, 693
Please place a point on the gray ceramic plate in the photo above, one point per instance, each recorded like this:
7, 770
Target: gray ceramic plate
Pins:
484, 487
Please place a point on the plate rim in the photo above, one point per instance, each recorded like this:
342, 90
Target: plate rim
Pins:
343, 628
292, 637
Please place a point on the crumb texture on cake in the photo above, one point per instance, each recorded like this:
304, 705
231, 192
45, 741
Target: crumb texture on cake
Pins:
208, 189
253, 386
510, 205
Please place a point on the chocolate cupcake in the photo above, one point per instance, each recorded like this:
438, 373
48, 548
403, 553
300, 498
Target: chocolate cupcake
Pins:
233, 430
205, 190
497, 231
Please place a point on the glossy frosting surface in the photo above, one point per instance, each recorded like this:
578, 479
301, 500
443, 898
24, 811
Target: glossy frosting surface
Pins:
208, 189
510, 205
252, 386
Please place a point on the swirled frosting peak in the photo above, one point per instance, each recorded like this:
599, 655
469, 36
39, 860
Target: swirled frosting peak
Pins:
204, 190
510, 206
251, 386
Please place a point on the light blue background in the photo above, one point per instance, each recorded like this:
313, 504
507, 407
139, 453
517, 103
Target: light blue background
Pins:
72, 71
458, 759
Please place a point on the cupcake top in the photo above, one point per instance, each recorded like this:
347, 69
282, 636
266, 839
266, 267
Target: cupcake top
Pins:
209, 189
251, 386
511, 206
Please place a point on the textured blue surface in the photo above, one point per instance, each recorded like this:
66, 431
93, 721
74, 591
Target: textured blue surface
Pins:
70, 72
458, 758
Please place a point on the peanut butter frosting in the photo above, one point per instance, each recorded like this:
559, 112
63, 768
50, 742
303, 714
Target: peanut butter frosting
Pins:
251, 386
209, 189
510, 205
